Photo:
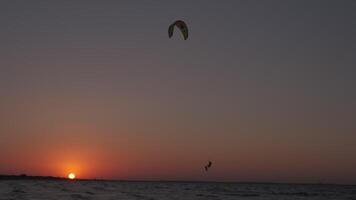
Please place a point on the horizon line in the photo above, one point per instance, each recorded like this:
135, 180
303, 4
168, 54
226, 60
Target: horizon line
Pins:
41, 177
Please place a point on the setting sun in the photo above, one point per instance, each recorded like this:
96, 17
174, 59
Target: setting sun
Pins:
71, 176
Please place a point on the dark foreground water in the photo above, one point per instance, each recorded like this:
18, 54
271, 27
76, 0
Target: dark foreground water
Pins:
56, 189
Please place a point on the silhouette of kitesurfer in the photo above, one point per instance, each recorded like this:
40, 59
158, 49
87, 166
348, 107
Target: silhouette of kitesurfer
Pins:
208, 166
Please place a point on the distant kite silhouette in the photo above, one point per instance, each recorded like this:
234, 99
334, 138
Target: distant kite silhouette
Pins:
181, 25
208, 165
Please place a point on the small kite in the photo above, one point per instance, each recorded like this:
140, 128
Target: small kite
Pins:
208, 166
182, 27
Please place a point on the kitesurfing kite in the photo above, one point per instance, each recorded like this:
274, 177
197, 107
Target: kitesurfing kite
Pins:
182, 27
208, 166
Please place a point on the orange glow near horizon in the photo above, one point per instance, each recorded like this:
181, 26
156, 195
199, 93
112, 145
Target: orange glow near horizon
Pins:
71, 176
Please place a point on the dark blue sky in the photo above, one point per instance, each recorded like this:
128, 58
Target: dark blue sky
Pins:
264, 88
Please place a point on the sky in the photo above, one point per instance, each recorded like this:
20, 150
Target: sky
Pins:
264, 89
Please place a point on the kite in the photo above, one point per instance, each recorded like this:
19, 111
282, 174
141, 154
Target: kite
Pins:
182, 27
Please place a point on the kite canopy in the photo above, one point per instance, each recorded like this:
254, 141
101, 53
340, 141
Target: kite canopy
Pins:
181, 25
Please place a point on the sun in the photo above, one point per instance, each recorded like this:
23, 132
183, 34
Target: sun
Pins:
71, 176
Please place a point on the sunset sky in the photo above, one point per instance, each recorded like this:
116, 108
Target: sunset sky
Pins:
264, 89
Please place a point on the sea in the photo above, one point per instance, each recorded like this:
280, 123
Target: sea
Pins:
155, 190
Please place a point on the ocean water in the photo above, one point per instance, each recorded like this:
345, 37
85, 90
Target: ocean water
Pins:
115, 190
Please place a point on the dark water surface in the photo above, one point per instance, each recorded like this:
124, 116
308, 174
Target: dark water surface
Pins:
54, 189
